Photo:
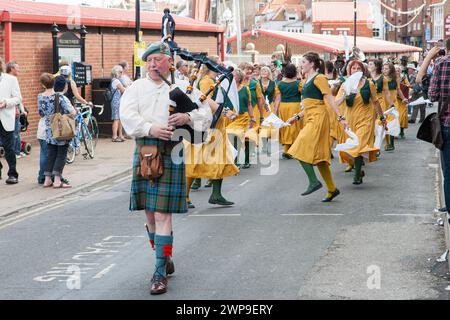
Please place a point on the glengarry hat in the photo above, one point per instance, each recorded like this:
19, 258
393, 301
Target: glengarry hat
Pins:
156, 47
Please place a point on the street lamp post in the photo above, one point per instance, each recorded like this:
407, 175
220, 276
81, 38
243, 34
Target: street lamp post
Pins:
354, 23
137, 73
55, 31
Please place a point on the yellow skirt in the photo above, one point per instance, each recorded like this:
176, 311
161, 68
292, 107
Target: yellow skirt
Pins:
239, 128
268, 131
313, 142
213, 159
360, 121
403, 114
287, 110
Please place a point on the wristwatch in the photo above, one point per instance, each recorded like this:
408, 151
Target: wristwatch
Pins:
340, 118
382, 118
297, 116
253, 119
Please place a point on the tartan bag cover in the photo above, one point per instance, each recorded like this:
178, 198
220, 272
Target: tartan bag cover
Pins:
168, 193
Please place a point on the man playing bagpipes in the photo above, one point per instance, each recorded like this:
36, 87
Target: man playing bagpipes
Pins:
159, 181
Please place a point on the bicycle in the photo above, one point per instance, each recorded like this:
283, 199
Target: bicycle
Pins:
86, 132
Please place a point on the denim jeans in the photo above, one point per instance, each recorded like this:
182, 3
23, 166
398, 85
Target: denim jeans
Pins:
56, 159
7, 138
446, 164
17, 141
42, 160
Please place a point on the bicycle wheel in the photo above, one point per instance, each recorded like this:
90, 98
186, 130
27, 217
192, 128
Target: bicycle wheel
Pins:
70, 154
93, 130
87, 141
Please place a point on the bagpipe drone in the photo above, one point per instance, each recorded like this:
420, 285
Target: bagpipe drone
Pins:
181, 102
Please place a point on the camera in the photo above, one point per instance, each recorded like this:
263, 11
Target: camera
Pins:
442, 52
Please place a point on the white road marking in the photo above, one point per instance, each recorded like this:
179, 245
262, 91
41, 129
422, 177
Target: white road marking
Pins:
408, 214
30, 214
312, 214
122, 179
104, 271
216, 215
244, 183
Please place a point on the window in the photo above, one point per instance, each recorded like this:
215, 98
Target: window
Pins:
375, 32
418, 26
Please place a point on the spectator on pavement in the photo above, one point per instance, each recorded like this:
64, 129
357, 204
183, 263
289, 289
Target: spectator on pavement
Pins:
10, 97
440, 91
118, 89
12, 68
125, 79
56, 149
72, 89
182, 72
47, 81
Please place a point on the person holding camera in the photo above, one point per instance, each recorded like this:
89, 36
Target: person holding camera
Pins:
439, 91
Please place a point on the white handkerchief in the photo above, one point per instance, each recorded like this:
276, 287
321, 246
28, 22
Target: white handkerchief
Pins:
351, 142
393, 125
421, 100
275, 121
380, 133
352, 82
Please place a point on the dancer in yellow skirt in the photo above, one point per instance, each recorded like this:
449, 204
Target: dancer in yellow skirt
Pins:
393, 84
359, 112
270, 91
312, 146
243, 119
214, 159
402, 106
287, 104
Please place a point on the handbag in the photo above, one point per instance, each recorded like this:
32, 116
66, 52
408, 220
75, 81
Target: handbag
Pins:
151, 166
62, 125
430, 130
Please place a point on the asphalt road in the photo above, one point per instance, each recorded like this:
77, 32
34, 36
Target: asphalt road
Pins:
375, 241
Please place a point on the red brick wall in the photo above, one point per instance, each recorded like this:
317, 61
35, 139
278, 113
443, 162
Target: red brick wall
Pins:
32, 49
363, 30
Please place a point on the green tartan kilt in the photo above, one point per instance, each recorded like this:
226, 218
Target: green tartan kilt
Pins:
168, 193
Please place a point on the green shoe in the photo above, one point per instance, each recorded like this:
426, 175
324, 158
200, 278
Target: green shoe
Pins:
220, 201
312, 188
208, 184
196, 184
331, 195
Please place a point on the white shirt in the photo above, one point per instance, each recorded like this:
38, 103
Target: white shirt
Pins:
145, 103
10, 93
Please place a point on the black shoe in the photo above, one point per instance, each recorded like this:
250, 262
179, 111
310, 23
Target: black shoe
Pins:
170, 266
196, 184
220, 201
334, 194
12, 180
208, 184
245, 166
411, 121
190, 205
443, 209
312, 189
286, 156
357, 180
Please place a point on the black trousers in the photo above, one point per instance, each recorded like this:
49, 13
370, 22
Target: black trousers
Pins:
7, 139
56, 159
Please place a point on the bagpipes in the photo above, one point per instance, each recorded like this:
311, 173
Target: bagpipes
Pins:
181, 102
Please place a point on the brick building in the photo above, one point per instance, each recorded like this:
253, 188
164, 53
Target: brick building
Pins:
25, 36
338, 18
413, 25
440, 15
